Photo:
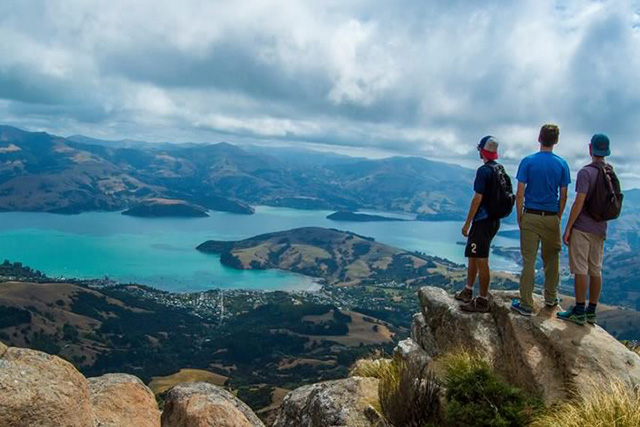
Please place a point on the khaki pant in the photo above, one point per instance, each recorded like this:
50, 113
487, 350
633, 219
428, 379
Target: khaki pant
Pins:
536, 229
585, 253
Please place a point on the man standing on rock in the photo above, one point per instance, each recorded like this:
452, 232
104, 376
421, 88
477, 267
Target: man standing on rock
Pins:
484, 226
543, 179
598, 199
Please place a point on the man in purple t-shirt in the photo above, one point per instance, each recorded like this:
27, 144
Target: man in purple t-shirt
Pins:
585, 237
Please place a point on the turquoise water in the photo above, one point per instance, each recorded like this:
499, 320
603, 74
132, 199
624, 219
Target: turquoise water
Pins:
161, 251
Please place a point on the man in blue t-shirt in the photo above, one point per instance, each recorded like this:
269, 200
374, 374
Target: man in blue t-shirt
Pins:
543, 179
480, 229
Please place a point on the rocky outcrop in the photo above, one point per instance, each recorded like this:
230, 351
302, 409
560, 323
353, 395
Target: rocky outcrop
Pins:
121, 400
541, 354
206, 405
37, 389
348, 402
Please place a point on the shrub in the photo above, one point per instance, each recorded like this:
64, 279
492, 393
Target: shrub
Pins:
475, 396
612, 405
409, 394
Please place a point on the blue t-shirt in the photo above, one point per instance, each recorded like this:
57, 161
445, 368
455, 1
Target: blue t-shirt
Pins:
481, 186
544, 173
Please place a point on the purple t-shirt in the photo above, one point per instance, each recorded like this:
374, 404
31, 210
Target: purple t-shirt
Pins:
585, 184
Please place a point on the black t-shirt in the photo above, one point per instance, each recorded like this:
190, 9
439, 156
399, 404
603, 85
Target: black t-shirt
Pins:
482, 185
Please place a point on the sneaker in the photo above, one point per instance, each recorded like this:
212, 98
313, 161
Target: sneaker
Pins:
516, 306
476, 305
465, 295
554, 303
592, 319
571, 316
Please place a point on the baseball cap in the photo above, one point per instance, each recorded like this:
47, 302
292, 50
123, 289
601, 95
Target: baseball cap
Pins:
488, 147
600, 145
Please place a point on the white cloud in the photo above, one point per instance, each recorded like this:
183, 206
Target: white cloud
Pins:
399, 77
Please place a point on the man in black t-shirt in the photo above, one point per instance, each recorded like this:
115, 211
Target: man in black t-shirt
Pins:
483, 230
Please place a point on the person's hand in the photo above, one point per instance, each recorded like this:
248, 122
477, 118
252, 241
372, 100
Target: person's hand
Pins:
519, 220
465, 229
567, 236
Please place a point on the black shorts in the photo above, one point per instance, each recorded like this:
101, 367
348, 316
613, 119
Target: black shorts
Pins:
480, 237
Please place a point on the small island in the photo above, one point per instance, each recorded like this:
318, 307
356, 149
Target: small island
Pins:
223, 204
350, 216
155, 208
338, 257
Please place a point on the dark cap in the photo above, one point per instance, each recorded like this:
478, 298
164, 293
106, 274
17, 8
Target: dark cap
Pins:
600, 145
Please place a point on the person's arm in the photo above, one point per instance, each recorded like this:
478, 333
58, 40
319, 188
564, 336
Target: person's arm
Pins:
576, 210
520, 201
563, 200
473, 210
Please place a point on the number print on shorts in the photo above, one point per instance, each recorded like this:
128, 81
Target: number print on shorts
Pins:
474, 248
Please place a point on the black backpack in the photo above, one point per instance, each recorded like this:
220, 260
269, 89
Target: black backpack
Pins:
605, 200
500, 197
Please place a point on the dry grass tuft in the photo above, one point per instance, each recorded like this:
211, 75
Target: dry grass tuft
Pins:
370, 368
613, 405
461, 361
409, 394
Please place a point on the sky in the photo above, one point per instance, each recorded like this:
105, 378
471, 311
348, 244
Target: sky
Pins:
372, 78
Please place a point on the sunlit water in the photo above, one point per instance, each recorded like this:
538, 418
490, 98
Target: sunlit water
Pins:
161, 251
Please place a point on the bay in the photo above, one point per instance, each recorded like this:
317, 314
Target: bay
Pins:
161, 251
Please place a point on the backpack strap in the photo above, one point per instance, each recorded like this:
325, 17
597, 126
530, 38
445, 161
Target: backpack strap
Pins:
602, 169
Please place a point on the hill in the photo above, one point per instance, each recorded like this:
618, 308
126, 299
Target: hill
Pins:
166, 208
250, 340
339, 257
42, 172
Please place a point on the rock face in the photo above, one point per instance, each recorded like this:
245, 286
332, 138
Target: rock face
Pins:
121, 400
348, 402
541, 354
205, 405
37, 389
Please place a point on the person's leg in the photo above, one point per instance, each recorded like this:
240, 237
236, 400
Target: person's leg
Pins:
480, 249
551, 247
529, 243
595, 287
472, 272
596, 254
485, 276
470, 251
580, 287
578, 261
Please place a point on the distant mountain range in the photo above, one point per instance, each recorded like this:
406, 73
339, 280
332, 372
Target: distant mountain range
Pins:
47, 173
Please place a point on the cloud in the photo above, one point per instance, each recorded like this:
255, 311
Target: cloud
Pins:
410, 77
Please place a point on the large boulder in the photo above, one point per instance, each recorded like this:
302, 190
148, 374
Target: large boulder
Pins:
206, 405
121, 400
347, 402
541, 354
37, 389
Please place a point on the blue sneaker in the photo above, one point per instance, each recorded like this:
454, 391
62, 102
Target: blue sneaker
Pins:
571, 316
516, 306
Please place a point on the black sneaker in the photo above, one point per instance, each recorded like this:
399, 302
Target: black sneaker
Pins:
476, 305
465, 295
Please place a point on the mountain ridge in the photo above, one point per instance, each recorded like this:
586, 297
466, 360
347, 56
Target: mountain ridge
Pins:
48, 173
